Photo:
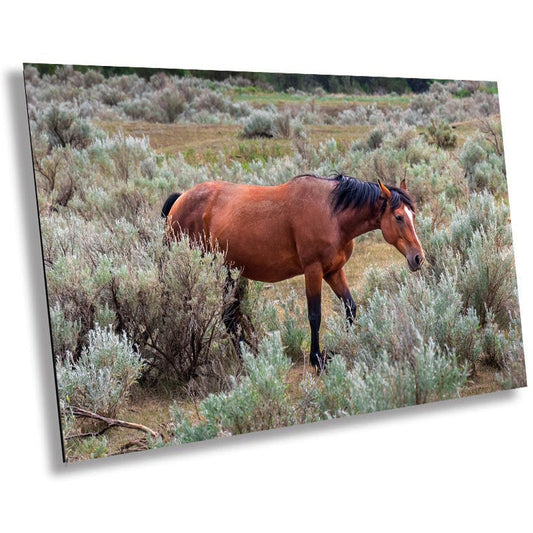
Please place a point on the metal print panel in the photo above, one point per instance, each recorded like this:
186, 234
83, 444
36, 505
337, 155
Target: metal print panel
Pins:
231, 252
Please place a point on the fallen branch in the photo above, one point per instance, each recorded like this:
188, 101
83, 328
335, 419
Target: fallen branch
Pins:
111, 422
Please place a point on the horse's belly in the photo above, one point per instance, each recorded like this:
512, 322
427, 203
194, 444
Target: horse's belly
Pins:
269, 269
269, 276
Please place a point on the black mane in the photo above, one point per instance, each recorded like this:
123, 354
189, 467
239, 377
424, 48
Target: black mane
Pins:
351, 193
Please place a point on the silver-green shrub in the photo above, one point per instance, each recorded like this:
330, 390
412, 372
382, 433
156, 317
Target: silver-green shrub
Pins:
283, 313
63, 127
385, 383
441, 134
172, 303
510, 356
402, 318
484, 167
260, 400
171, 104
65, 332
375, 139
259, 124
101, 379
504, 350
257, 401
476, 249
283, 126
143, 109
170, 300
488, 279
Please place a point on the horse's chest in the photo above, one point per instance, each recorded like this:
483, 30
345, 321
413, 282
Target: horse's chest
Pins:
337, 258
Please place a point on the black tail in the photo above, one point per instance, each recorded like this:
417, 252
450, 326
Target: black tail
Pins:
169, 203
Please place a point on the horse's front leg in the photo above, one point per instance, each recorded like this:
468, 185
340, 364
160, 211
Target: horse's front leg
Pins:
337, 281
313, 290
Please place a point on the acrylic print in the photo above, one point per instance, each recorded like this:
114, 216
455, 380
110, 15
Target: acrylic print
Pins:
228, 252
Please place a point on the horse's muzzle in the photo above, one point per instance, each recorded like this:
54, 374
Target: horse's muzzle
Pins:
415, 261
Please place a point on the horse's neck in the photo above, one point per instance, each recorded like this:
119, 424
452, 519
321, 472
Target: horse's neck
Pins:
355, 222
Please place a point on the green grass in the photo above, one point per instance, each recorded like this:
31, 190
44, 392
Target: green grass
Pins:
262, 98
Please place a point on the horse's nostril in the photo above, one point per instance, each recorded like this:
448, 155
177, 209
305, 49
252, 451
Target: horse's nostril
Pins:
418, 259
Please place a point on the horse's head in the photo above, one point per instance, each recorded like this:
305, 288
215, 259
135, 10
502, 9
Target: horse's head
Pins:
398, 224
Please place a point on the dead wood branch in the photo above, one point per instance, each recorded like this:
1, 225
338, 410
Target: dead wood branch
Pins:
111, 422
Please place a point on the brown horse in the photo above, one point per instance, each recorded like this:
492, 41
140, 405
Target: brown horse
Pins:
305, 226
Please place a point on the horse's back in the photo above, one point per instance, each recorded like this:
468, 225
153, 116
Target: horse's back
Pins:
206, 206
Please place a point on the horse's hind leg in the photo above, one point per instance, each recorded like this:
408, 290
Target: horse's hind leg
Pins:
337, 281
232, 313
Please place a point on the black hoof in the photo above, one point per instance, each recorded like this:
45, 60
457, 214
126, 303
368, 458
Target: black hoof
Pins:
318, 361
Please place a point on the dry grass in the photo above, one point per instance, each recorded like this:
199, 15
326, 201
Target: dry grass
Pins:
173, 138
200, 143
464, 130
483, 382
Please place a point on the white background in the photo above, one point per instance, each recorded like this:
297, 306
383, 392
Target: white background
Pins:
463, 465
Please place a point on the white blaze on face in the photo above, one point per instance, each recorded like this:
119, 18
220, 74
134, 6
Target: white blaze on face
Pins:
410, 217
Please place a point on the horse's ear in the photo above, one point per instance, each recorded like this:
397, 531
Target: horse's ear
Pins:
403, 185
384, 191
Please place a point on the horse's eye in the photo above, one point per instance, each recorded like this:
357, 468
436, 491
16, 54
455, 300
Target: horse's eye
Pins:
399, 218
